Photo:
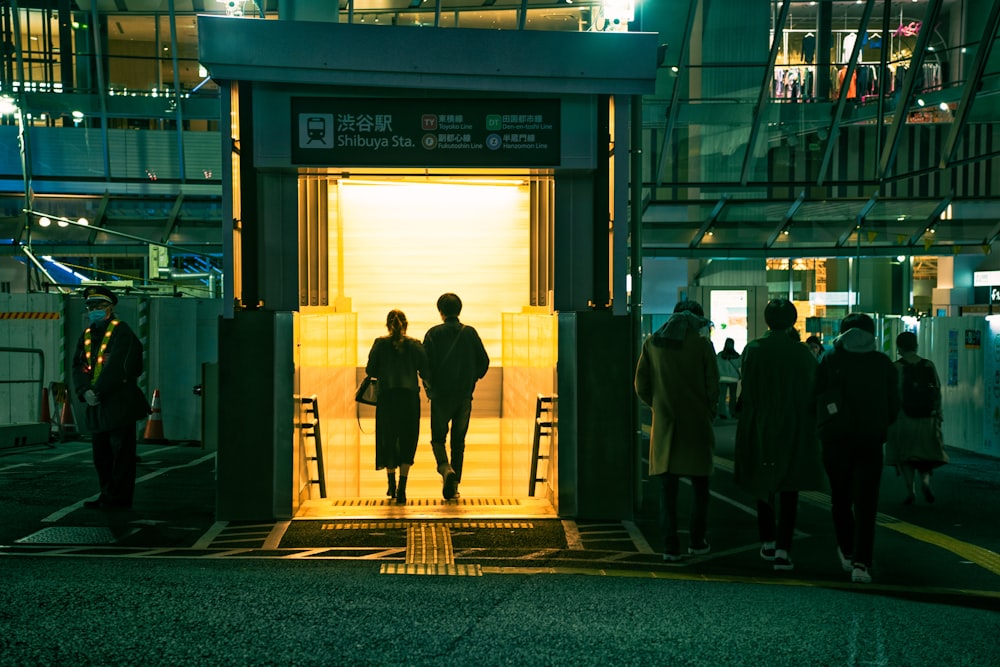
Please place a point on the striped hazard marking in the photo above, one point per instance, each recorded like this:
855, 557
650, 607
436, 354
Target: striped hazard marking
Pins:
29, 316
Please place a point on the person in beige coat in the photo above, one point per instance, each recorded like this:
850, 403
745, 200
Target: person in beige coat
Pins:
678, 378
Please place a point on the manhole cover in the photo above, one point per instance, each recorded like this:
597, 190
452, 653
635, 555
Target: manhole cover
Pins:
69, 535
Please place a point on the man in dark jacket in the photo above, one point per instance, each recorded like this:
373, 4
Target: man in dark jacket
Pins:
857, 399
777, 451
106, 365
457, 361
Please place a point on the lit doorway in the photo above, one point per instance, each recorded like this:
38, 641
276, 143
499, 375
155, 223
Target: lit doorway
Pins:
728, 313
400, 242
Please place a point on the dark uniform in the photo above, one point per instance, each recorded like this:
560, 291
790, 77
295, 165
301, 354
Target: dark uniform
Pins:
106, 365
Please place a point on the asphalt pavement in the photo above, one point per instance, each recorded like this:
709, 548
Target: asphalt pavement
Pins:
165, 583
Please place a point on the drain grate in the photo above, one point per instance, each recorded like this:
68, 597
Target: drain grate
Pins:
70, 535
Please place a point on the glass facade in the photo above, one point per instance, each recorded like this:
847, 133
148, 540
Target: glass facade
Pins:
776, 130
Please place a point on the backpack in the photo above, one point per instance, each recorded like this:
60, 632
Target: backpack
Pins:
920, 389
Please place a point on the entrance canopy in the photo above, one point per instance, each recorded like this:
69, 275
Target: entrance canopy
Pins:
318, 53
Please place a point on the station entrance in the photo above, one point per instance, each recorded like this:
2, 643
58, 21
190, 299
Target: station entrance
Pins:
359, 185
398, 241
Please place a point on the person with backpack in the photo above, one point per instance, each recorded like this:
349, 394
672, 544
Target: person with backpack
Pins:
915, 442
857, 399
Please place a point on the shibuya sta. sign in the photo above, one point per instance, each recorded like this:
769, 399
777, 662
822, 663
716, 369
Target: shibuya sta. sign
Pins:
425, 132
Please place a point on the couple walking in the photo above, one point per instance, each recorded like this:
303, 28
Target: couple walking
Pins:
450, 361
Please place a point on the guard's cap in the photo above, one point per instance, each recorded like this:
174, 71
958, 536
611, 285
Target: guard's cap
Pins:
99, 293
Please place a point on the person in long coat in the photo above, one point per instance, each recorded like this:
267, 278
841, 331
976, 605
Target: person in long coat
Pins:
777, 447
678, 378
397, 360
915, 444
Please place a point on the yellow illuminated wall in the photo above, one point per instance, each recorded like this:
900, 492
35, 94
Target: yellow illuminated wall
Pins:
401, 244
405, 243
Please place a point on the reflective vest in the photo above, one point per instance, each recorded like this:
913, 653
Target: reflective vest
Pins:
95, 369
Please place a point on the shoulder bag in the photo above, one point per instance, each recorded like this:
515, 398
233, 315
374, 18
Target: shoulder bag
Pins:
367, 392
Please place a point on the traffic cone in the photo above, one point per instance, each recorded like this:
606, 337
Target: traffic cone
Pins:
46, 417
66, 423
154, 425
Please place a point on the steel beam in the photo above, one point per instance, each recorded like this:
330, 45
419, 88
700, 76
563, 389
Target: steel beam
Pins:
933, 219
764, 94
972, 84
838, 112
786, 219
902, 109
862, 214
675, 95
709, 221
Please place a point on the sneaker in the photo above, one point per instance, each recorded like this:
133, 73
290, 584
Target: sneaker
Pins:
845, 561
700, 551
767, 551
782, 561
450, 486
671, 557
860, 575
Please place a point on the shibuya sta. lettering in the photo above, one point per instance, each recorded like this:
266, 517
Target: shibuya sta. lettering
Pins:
374, 143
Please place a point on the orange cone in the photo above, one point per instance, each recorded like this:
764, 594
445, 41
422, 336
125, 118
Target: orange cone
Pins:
46, 417
66, 423
154, 425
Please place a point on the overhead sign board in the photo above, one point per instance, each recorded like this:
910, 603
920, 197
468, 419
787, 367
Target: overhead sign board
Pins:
425, 132
985, 278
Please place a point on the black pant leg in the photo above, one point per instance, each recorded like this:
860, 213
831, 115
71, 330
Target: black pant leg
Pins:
121, 487
668, 512
867, 479
100, 447
836, 460
788, 509
765, 519
699, 511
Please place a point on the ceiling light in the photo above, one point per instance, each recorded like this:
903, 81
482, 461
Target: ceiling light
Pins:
83, 221
62, 223
44, 222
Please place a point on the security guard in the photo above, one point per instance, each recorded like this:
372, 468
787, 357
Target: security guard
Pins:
106, 365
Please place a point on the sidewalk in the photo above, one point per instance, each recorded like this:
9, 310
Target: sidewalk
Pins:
952, 545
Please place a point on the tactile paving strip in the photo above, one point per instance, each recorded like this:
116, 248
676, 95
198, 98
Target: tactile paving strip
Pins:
70, 535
